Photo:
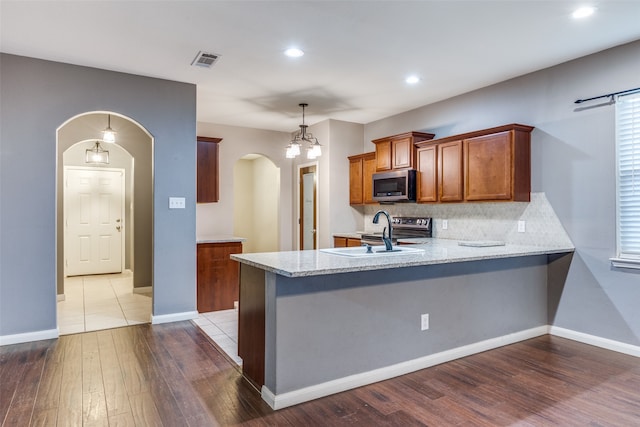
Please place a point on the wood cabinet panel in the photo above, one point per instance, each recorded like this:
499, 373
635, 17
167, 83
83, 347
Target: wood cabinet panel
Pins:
217, 276
207, 169
356, 189
427, 174
339, 242
343, 242
369, 168
402, 153
383, 156
488, 167
251, 324
361, 170
353, 242
450, 175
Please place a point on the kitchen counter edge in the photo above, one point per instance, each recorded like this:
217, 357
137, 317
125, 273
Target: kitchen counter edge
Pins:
439, 251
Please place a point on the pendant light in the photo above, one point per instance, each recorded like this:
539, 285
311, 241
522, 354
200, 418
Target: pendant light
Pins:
314, 149
109, 135
96, 154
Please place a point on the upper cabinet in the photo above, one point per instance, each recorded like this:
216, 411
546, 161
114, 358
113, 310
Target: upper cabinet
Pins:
361, 170
398, 151
488, 165
207, 180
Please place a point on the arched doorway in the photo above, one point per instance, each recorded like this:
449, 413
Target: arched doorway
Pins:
87, 299
257, 203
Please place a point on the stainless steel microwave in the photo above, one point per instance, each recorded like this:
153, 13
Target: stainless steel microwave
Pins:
395, 186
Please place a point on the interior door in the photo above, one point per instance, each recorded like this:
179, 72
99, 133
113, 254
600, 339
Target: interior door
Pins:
93, 212
308, 207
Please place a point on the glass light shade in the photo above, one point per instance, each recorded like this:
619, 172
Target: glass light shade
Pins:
109, 135
317, 149
96, 155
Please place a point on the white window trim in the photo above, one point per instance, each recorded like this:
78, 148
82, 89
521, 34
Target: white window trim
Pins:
622, 260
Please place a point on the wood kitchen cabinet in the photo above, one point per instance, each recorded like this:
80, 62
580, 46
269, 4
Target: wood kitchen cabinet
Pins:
361, 169
427, 165
497, 166
398, 151
450, 174
487, 165
207, 169
343, 242
217, 276
440, 172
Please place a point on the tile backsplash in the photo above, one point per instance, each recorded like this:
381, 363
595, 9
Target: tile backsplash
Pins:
485, 221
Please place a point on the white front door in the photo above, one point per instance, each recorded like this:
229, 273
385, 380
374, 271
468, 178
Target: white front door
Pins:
93, 213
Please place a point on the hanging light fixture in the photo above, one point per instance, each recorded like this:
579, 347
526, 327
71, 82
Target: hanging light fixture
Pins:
314, 149
96, 154
109, 135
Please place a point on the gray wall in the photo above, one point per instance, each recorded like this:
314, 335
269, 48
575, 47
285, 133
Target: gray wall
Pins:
39, 96
573, 163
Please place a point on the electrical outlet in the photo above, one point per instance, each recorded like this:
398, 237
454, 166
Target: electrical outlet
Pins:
445, 224
176, 203
424, 322
522, 226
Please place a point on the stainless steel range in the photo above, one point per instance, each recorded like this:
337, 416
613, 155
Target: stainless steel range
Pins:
403, 228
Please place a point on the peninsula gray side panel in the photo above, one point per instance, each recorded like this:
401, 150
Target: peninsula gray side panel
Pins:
332, 326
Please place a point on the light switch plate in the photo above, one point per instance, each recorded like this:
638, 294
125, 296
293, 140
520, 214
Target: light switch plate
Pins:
445, 224
177, 203
522, 226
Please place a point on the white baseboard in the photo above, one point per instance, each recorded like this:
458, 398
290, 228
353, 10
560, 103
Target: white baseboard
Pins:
306, 394
29, 336
618, 346
60, 297
174, 317
143, 290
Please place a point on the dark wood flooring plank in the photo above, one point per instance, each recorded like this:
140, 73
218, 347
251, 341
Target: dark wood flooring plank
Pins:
173, 375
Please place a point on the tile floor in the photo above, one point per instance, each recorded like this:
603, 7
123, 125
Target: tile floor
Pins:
222, 327
101, 302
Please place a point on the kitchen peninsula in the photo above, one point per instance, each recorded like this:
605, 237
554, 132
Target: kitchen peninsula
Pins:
313, 323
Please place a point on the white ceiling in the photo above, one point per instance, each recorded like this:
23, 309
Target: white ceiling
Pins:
357, 52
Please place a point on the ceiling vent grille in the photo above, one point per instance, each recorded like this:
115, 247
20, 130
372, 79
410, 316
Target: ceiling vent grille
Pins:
205, 59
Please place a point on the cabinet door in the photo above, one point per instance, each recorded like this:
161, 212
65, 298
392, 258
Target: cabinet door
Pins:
450, 171
207, 169
383, 155
339, 242
369, 168
402, 153
217, 276
427, 176
488, 167
355, 181
353, 242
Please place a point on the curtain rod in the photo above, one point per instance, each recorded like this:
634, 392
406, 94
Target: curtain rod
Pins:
580, 101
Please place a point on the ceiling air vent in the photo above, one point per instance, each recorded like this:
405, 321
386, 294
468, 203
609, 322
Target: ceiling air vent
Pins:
205, 59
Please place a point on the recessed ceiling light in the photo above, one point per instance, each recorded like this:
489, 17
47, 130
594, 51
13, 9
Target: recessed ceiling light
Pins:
412, 80
583, 12
293, 52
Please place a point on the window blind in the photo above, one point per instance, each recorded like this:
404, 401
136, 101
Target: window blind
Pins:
628, 175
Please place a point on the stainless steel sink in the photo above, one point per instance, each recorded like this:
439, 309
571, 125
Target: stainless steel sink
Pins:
376, 251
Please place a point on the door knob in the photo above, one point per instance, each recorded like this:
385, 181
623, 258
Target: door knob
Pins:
118, 227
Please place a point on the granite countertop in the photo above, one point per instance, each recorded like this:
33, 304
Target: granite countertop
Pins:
437, 251
351, 235
219, 239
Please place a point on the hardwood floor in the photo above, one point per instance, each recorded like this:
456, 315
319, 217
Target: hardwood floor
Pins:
171, 375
